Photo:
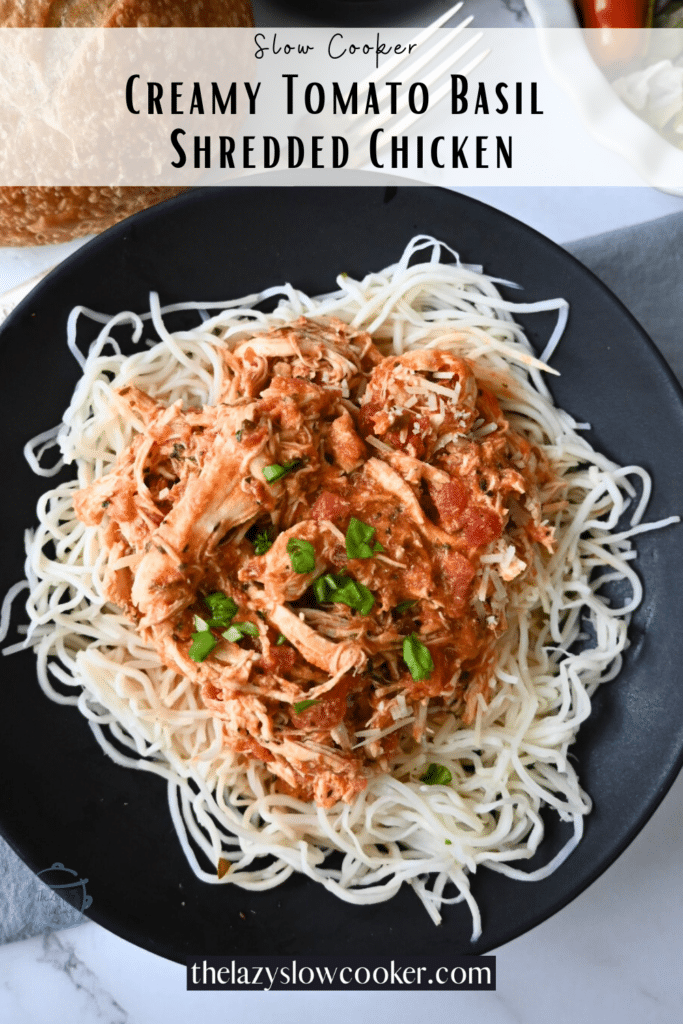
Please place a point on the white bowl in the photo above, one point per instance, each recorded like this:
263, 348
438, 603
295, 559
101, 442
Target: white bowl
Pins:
608, 119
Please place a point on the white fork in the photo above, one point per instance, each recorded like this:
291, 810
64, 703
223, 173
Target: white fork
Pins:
357, 132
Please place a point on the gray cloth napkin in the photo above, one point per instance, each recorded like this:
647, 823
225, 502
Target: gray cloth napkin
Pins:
28, 906
643, 265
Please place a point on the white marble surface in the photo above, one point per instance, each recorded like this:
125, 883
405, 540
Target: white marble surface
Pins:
612, 956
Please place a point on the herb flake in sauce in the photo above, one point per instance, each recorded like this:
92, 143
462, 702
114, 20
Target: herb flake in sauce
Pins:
417, 657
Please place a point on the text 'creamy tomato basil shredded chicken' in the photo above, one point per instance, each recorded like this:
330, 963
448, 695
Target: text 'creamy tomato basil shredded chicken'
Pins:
337, 573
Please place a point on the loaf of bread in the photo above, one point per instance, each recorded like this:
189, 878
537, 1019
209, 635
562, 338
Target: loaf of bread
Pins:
36, 215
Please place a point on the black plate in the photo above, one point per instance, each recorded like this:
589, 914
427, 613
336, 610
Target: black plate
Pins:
64, 801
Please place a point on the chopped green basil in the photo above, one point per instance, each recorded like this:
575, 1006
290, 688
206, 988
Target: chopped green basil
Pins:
203, 643
404, 606
436, 775
302, 705
222, 609
282, 639
324, 586
238, 630
262, 543
355, 595
417, 657
359, 540
275, 472
301, 555
343, 590
448, 842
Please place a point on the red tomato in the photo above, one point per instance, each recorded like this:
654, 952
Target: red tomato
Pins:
450, 501
280, 660
458, 574
614, 13
480, 526
330, 506
612, 48
327, 714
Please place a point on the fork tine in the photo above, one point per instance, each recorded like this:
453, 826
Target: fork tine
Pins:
356, 133
473, 64
436, 98
441, 44
451, 60
417, 66
422, 37
410, 120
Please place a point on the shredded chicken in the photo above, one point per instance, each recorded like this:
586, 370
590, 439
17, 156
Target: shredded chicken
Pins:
314, 430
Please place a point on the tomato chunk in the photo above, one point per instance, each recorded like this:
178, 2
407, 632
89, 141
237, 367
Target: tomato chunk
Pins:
328, 713
280, 660
458, 573
330, 506
480, 526
450, 501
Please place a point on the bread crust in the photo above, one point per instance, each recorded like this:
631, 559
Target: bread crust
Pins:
125, 13
41, 215
47, 215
